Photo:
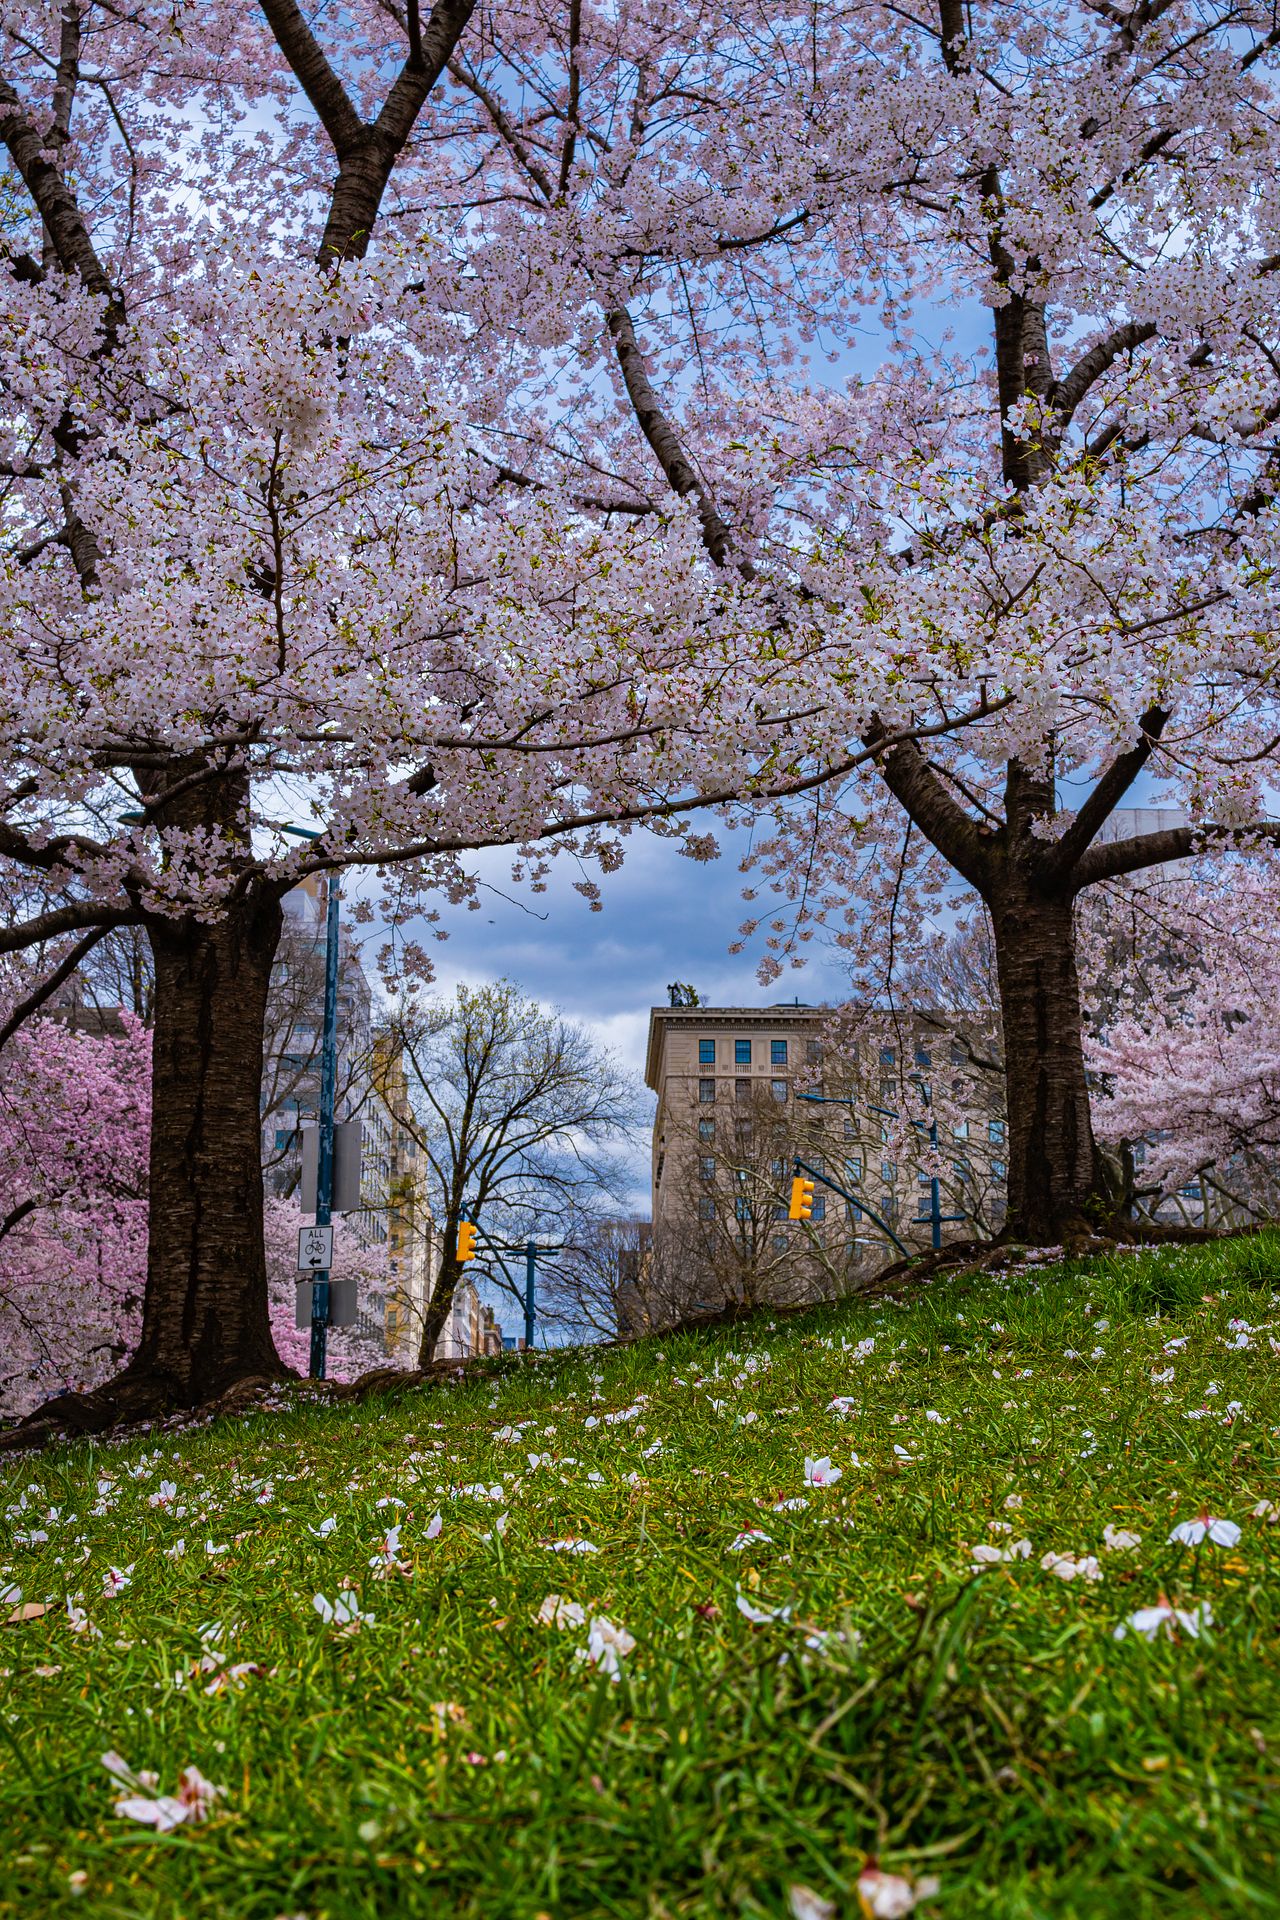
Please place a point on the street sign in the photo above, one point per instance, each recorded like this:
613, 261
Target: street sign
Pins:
315, 1249
347, 1139
343, 1304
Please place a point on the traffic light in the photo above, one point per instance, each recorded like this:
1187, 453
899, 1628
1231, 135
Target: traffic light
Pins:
466, 1240
801, 1199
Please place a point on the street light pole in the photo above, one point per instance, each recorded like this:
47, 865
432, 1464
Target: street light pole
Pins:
328, 1098
530, 1283
324, 1157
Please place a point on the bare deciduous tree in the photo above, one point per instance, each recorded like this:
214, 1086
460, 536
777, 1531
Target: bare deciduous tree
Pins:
518, 1115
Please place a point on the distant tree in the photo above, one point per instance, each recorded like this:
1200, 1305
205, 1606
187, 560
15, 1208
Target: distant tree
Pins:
723, 1237
74, 1123
1185, 1047
587, 1280
518, 1115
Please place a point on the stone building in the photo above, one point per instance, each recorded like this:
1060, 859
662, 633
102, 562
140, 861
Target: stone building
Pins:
743, 1092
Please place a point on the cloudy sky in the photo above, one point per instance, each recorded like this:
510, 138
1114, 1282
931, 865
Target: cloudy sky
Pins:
664, 918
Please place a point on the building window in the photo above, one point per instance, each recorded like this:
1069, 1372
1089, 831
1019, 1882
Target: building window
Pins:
706, 1207
742, 1053
960, 1131
853, 1167
813, 1050
707, 1053
706, 1091
995, 1132
742, 1089
887, 1170
706, 1129
778, 1052
923, 1057
852, 1211
887, 1056
779, 1244
706, 1167
778, 1088
999, 1169
819, 1209
850, 1127
742, 1211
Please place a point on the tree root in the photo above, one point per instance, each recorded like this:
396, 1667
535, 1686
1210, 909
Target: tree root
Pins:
135, 1398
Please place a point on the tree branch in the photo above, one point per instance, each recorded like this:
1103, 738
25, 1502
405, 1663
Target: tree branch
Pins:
1106, 796
315, 76
59, 920
664, 442
63, 971
1145, 850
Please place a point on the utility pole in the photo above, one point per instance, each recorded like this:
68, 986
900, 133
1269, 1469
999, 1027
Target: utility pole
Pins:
328, 1098
530, 1283
328, 1094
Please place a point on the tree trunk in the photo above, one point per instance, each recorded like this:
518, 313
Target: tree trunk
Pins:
1055, 1188
205, 1322
438, 1306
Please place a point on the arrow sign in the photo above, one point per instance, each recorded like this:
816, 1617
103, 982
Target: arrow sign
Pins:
315, 1249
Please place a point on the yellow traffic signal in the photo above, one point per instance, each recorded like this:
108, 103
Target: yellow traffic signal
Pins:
801, 1199
466, 1240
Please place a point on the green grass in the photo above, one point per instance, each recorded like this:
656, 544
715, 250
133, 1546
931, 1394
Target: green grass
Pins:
453, 1757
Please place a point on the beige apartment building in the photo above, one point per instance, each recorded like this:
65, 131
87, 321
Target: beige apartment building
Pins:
743, 1091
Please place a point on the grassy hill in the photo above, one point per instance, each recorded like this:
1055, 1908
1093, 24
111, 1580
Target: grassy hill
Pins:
824, 1679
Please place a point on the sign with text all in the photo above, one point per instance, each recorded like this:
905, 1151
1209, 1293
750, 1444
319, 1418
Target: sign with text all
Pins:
315, 1249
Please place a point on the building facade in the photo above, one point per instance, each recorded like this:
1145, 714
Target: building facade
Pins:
897, 1116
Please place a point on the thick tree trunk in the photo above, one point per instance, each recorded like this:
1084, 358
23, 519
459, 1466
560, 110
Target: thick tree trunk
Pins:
205, 1322
1054, 1168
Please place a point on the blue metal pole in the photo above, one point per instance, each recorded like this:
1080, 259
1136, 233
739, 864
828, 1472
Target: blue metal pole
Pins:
530, 1283
324, 1158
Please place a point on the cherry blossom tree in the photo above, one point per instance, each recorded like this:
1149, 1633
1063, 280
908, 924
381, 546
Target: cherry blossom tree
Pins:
1064, 534
259, 561
1186, 1052
74, 1111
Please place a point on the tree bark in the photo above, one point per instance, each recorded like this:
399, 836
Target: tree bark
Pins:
441, 1302
205, 1321
1055, 1188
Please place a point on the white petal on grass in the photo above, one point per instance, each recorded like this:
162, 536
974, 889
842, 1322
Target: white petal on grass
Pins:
1150, 1622
556, 1611
804, 1904
887, 1896
1205, 1526
745, 1539
1068, 1567
760, 1616
344, 1611
607, 1644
